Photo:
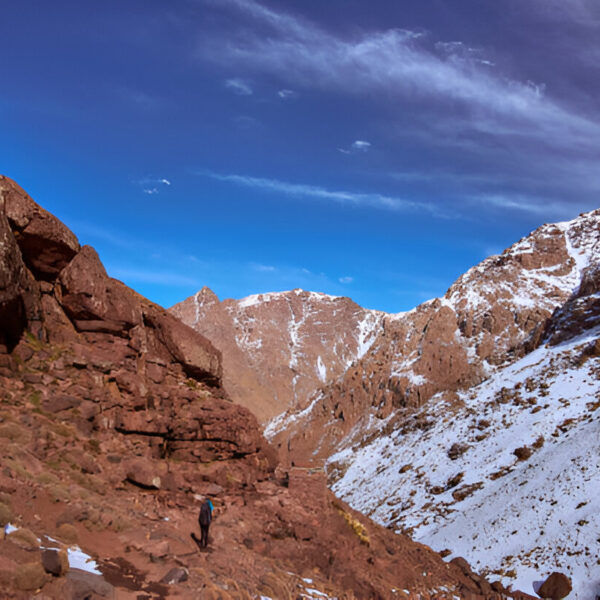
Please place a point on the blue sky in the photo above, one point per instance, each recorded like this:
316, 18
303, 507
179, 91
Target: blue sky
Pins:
375, 150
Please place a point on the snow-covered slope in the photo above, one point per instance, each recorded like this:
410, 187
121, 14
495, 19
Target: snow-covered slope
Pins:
491, 316
506, 476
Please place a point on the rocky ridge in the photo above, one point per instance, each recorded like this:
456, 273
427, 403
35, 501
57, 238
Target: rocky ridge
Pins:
492, 315
280, 348
114, 424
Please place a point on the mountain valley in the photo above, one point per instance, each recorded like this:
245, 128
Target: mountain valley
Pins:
434, 421
114, 426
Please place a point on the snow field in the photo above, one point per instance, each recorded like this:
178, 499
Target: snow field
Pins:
515, 519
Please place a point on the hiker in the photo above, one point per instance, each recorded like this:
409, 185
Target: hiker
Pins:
204, 520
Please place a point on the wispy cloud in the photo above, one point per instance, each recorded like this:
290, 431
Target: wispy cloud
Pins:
239, 87
151, 185
346, 279
92, 234
263, 268
300, 190
285, 94
356, 147
582, 12
547, 208
399, 62
246, 122
140, 99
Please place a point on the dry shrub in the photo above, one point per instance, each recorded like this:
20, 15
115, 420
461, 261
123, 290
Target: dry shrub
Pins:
59, 493
278, 585
120, 523
14, 433
30, 576
67, 533
47, 478
523, 453
357, 527
539, 442
5, 514
236, 591
24, 538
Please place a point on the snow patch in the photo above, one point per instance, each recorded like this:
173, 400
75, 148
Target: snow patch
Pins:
78, 559
321, 369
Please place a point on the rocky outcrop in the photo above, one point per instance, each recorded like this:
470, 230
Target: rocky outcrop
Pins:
128, 357
46, 244
19, 293
280, 348
580, 313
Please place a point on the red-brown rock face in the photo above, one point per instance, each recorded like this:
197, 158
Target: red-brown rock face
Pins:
279, 348
129, 357
491, 315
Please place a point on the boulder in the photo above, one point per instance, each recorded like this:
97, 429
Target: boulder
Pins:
60, 402
199, 358
556, 586
141, 472
55, 562
14, 285
90, 297
46, 244
175, 575
82, 585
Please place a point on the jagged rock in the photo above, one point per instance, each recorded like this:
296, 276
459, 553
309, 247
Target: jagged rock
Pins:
18, 296
94, 301
581, 312
198, 356
556, 586
46, 244
55, 562
141, 472
61, 402
82, 585
175, 575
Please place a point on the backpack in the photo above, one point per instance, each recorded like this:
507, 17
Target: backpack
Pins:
205, 514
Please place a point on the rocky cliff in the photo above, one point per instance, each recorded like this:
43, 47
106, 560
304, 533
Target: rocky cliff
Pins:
280, 348
114, 425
